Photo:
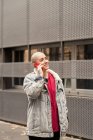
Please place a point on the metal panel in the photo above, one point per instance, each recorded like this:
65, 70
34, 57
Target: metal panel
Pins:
14, 23
1, 68
44, 21
1, 55
7, 70
0, 22
84, 69
14, 106
16, 69
66, 69
61, 19
80, 116
21, 69
77, 19
75, 69
1, 105
56, 66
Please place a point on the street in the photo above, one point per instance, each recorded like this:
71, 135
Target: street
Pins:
10, 131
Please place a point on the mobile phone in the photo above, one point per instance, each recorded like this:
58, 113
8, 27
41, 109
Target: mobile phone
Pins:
36, 65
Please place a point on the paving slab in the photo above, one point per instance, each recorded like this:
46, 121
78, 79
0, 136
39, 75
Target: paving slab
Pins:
10, 131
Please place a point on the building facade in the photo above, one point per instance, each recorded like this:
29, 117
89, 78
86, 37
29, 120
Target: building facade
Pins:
63, 30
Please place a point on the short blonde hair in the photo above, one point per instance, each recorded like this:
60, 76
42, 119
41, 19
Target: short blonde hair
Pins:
35, 56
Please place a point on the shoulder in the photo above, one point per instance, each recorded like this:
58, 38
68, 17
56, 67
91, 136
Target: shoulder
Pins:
30, 76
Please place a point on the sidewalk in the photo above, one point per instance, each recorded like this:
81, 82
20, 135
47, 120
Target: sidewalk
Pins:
9, 131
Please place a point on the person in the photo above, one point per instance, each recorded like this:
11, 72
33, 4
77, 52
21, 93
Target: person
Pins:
47, 109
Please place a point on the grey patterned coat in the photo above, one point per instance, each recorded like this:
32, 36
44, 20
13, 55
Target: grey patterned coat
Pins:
39, 122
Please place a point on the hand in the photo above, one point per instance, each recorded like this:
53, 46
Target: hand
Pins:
39, 71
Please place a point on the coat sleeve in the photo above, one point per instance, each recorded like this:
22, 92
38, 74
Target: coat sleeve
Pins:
65, 112
33, 87
64, 99
64, 120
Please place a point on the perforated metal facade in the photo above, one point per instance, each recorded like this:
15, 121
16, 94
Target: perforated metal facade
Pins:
80, 114
44, 21
14, 23
77, 19
80, 102
0, 22
29, 22
40, 21
33, 23
81, 69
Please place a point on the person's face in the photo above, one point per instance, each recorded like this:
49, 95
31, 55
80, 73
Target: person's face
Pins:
43, 61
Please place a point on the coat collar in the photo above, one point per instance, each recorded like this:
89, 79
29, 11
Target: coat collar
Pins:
55, 75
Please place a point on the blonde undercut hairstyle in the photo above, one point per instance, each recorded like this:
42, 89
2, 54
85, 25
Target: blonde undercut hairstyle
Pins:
35, 56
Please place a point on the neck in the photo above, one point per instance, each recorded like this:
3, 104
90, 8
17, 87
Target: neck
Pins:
45, 74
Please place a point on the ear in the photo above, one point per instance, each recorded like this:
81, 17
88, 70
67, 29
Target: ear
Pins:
35, 64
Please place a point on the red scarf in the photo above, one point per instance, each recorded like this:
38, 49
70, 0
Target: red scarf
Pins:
54, 109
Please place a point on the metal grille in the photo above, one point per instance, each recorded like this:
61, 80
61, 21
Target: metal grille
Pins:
84, 69
1, 104
11, 109
77, 19
57, 67
0, 22
44, 21
0, 55
21, 70
15, 69
14, 23
66, 69
61, 19
76, 69
80, 116
7, 70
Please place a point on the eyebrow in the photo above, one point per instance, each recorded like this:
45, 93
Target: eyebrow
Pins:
43, 58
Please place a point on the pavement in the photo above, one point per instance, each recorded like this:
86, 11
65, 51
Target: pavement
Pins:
10, 131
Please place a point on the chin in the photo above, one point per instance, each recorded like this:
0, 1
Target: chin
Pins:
46, 68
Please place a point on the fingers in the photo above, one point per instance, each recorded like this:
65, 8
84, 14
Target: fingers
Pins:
41, 65
39, 70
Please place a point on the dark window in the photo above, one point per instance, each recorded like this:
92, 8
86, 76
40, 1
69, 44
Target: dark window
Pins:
84, 52
8, 55
89, 52
52, 51
18, 81
7, 83
67, 52
16, 54
19, 56
53, 54
84, 83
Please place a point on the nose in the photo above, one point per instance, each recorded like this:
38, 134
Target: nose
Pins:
46, 60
